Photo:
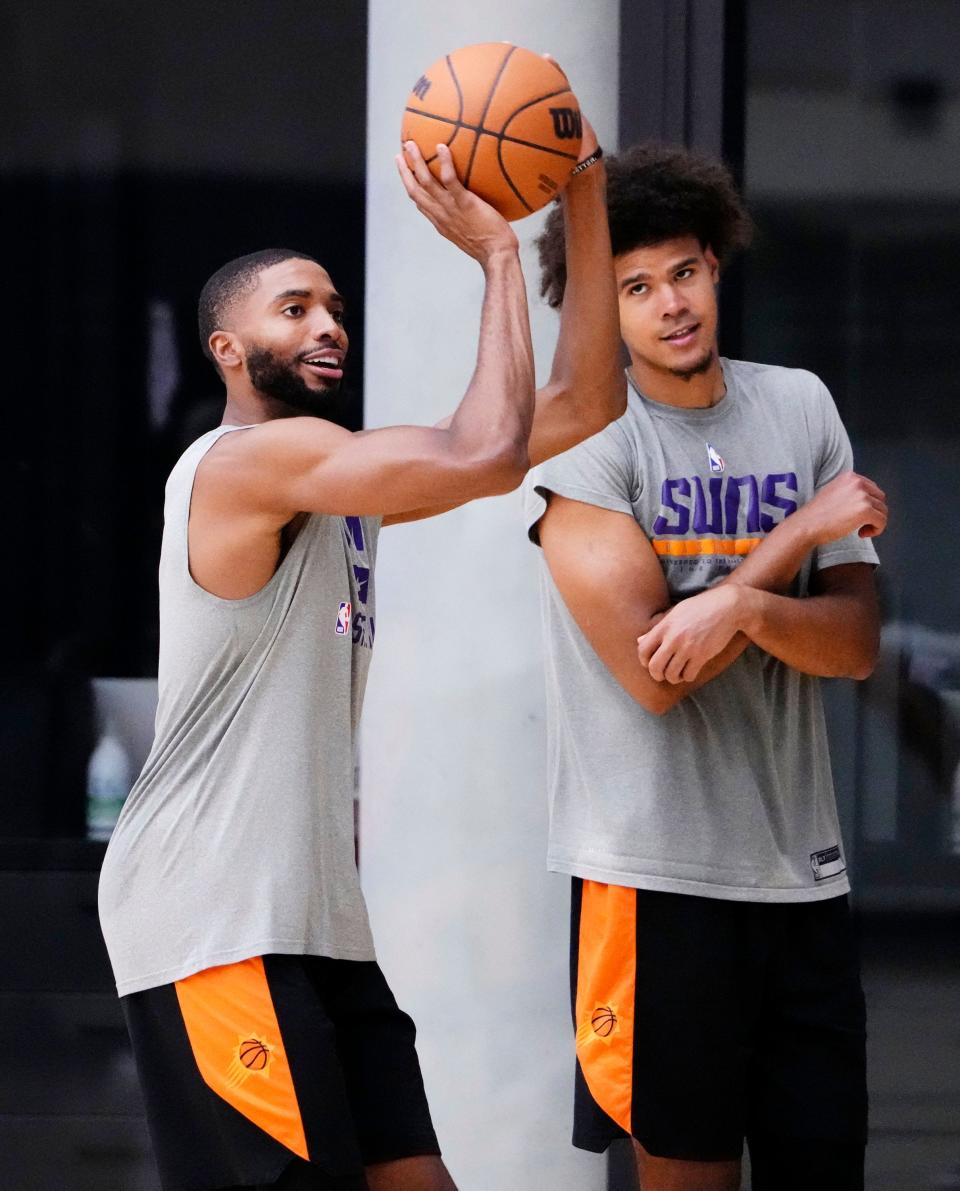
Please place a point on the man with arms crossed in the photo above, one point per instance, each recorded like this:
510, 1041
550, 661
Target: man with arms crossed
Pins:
706, 558
270, 1049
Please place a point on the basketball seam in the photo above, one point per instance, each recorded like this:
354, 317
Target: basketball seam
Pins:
456, 83
458, 123
501, 136
486, 108
504, 171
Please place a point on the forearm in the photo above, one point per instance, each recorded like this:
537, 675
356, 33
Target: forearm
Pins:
772, 566
828, 635
586, 367
495, 415
662, 696
776, 562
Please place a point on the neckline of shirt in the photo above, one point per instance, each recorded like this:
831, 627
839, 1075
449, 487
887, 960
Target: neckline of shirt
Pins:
685, 413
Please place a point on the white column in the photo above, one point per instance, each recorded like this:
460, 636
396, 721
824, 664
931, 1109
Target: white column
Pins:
471, 930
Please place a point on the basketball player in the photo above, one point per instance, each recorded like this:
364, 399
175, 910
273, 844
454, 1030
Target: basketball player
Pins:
707, 558
270, 1049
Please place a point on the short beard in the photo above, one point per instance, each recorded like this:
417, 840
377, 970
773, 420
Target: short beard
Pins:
277, 380
697, 369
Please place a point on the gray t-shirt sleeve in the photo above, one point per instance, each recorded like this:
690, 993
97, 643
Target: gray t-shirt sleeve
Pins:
601, 471
835, 456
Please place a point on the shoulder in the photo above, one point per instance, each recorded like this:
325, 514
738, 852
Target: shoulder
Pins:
246, 471
281, 435
284, 445
775, 380
794, 394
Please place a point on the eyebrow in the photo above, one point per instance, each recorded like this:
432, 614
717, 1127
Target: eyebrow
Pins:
642, 274
333, 296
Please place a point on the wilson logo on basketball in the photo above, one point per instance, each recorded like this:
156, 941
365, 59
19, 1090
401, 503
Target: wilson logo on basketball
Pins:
567, 124
604, 1021
251, 1056
421, 87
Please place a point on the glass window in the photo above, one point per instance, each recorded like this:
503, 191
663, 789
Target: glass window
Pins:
853, 173
852, 170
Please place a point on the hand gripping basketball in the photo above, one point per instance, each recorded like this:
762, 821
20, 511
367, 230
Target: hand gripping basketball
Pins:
461, 217
509, 118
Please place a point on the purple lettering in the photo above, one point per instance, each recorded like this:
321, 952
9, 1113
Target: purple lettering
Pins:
771, 497
701, 523
362, 576
731, 504
662, 525
354, 531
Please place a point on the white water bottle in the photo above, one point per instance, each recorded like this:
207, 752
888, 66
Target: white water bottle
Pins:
108, 784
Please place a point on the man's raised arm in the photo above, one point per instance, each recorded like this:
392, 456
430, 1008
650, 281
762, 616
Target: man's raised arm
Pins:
292, 465
587, 388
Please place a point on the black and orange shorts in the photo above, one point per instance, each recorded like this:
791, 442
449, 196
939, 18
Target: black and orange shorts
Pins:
279, 1060
701, 1022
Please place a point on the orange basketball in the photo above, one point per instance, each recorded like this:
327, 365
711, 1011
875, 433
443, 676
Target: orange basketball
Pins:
509, 117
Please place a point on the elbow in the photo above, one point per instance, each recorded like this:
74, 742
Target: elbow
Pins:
615, 395
862, 667
603, 404
589, 404
504, 471
618, 396
865, 661
657, 702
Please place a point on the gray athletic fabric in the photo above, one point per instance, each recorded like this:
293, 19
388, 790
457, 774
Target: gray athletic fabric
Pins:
237, 839
729, 794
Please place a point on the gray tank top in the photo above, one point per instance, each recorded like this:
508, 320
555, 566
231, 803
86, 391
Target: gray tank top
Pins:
237, 838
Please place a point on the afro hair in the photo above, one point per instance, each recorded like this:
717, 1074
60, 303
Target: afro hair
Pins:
655, 193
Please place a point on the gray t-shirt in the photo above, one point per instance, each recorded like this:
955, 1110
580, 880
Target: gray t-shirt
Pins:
237, 838
729, 794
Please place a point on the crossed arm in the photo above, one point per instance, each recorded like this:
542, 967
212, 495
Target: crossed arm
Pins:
612, 583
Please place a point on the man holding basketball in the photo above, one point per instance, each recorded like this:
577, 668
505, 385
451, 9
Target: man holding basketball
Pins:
706, 558
270, 1049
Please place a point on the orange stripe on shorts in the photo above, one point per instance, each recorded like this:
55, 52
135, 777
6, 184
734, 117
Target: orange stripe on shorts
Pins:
606, 979
235, 1036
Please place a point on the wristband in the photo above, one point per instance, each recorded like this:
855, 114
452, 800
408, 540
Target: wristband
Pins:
587, 162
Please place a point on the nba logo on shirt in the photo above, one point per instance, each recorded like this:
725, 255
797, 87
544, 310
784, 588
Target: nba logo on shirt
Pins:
716, 459
343, 619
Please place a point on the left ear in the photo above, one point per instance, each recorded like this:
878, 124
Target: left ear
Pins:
710, 257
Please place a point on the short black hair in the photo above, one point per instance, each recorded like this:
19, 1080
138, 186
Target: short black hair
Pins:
655, 193
231, 281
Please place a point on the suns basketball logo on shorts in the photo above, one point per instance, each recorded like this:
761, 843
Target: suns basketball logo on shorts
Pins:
343, 618
604, 1021
717, 462
251, 1056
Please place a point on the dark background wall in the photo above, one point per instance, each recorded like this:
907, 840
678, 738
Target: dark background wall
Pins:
142, 145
